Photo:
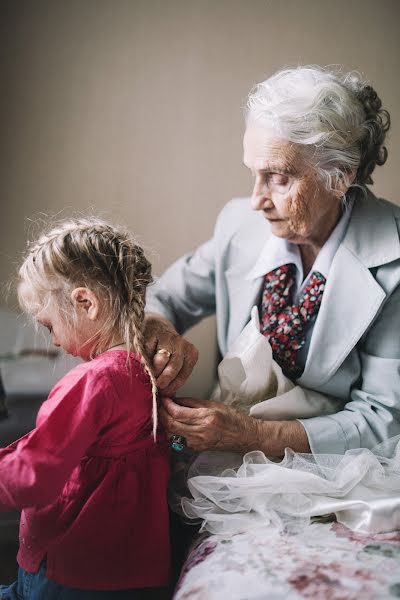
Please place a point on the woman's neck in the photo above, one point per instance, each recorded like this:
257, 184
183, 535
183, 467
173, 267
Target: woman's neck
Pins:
310, 250
308, 257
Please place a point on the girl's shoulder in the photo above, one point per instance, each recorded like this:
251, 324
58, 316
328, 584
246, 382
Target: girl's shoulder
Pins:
118, 362
109, 370
122, 369
102, 391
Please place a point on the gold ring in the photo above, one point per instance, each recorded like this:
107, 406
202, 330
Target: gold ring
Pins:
164, 351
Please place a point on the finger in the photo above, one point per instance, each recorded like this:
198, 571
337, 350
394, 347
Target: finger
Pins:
166, 421
192, 402
183, 414
160, 360
173, 427
151, 346
189, 361
176, 383
170, 370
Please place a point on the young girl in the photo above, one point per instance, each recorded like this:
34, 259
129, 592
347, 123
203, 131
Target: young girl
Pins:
92, 477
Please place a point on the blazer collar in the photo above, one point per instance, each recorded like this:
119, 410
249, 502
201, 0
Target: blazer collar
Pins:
373, 235
277, 252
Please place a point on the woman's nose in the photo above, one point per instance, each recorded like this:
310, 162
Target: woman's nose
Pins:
260, 197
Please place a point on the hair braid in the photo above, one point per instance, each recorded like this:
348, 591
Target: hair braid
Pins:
138, 342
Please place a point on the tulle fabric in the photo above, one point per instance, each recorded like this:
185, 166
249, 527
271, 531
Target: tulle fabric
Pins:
231, 493
362, 488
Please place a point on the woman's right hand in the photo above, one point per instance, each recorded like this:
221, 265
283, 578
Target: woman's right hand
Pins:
172, 356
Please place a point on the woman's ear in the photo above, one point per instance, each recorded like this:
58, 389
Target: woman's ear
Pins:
86, 302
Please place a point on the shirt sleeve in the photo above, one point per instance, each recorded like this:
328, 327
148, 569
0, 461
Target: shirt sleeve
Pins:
372, 414
34, 469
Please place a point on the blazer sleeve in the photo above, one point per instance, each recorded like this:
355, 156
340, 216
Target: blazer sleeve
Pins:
185, 293
34, 469
372, 414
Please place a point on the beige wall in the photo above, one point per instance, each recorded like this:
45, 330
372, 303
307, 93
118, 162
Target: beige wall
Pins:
133, 108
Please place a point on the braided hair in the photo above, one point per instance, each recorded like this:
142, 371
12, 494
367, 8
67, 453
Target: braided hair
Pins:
89, 252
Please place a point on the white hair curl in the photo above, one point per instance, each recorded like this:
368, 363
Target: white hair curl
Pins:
338, 116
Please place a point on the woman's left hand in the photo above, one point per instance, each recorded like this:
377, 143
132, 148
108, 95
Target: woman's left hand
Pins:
207, 424
210, 425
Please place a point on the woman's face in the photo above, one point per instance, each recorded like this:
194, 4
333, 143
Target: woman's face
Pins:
286, 189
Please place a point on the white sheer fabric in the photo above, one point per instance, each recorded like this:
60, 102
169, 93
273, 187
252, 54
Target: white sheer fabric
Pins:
361, 487
232, 493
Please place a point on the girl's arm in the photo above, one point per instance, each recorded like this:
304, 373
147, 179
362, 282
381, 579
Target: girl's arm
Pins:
34, 469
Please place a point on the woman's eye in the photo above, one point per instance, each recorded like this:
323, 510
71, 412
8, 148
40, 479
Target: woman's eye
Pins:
279, 179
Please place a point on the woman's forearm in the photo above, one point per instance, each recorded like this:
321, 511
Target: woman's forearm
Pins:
272, 437
211, 425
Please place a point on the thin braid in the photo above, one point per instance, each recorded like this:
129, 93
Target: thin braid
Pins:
138, 342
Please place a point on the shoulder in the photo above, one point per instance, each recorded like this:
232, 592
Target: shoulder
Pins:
83, 391
374, 231
99, 375
102, 382
124, 375
117, 366
368, 205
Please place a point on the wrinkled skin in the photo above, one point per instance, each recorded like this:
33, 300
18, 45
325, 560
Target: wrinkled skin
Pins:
307, 212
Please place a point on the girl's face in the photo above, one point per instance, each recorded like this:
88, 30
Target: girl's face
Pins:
76, 334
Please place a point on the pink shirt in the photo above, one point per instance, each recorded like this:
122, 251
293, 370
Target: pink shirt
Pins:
92, 482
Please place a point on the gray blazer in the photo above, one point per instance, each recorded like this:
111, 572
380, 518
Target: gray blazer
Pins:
354, 353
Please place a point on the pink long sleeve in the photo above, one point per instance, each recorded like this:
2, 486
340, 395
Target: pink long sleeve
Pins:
34, 469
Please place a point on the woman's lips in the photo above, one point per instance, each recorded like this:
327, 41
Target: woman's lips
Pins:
272, 219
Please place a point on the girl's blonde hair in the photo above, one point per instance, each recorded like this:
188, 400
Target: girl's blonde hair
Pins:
91, 253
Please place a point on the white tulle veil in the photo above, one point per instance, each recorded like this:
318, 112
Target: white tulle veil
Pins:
231, 493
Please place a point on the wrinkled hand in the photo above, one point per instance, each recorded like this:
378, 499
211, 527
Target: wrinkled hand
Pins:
173, 367
209, 425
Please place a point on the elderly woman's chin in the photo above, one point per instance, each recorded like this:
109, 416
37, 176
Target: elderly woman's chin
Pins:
280, 228
277, 224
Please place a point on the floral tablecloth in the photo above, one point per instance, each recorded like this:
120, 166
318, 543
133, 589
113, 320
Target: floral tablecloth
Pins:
326, 561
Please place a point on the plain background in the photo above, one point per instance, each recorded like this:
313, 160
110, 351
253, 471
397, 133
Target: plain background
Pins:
133, 109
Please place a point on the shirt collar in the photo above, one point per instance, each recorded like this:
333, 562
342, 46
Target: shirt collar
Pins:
278, 251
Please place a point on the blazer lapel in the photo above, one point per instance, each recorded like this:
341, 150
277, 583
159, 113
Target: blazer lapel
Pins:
350, 302
244, 294
244, 285
352, 297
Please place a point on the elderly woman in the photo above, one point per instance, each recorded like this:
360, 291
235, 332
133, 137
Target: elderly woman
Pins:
320, 256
